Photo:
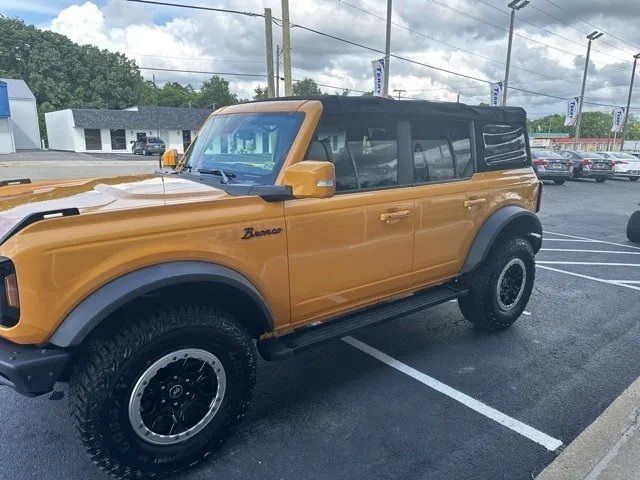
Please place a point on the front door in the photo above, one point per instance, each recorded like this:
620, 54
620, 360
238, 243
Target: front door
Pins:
357, 247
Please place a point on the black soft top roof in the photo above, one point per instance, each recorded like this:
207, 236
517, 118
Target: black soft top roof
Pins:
337, 105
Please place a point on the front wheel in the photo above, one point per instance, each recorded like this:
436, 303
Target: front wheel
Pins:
500, 288
634, 179
559, 181
161, 392
601, 180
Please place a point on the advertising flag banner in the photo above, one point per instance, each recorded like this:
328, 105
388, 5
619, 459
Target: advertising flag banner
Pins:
497, 92
378, 77
573, 106
618, 119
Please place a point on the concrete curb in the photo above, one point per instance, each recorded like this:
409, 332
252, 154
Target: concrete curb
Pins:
609, 449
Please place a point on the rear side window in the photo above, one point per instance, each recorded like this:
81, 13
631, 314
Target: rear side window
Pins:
363, 150
441, 150
505, 146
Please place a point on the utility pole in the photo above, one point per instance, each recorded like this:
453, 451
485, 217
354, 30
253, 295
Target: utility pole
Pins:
286, 47
626, 112
278, 53
387, 52
268, 35
513, 5
591, 37
400, 91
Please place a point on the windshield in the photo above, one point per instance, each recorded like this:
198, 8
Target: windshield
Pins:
248, 147
626, 156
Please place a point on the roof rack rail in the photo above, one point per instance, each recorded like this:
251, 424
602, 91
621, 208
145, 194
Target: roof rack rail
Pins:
18, 181
36, 217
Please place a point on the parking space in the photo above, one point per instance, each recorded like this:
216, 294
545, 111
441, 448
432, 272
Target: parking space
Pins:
426, 396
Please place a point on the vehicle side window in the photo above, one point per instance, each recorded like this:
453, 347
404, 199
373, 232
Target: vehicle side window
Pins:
364, 153
505, 146
374, 148
441, 150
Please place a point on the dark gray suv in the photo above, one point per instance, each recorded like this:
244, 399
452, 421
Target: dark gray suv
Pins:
148, 146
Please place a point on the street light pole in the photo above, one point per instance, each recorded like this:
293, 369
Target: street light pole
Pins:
387, 52
626, 112
514, 5
591, 37
268, 37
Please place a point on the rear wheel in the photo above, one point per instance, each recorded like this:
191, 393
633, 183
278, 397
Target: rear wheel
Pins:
634, 179
601, 179
145, 152
163, 391
500, 289
559, 181
633, 227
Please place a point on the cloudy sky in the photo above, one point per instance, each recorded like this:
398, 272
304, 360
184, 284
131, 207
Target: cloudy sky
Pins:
464, 36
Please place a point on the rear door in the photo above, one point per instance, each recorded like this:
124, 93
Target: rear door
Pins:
447, 203
357, 247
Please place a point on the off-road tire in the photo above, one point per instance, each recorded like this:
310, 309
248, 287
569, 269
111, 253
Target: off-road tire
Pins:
600, 180
633, 227
104, 378
559, 182
481, 307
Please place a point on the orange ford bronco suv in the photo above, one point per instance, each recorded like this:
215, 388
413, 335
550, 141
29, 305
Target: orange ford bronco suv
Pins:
286, 224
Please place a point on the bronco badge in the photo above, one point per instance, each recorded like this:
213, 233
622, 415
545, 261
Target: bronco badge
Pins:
249, 232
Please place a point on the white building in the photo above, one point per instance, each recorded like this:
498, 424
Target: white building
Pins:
103, 130
19, 128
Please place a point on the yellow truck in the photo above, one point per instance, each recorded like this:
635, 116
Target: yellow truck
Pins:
287, 223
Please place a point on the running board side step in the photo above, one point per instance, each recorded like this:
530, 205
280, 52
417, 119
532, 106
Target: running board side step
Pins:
280, 348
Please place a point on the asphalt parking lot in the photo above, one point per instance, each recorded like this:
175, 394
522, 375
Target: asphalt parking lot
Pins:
426, 396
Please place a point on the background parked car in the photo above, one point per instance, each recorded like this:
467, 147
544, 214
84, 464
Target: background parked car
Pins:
589, 165
549, 165
625, 164
148, 146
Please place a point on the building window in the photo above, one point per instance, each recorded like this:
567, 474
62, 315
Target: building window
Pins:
118, 140
92, 139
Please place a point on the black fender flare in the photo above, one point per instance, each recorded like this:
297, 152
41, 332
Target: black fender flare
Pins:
527, 222
88, 314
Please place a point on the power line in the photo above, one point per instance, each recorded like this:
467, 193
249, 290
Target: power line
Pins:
550, 32
349, 42
197, 7
592, 25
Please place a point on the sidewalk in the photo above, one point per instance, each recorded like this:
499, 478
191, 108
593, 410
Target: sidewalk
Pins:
609, 449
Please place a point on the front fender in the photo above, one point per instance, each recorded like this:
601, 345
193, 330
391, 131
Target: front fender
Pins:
100, 304
522, 220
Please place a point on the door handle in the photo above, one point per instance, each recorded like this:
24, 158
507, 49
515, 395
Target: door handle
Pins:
392, 216
474, 202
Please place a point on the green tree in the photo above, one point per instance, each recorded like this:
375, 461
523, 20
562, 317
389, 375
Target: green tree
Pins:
260, 93
62, 74
173, 94
215, 93
306, 87
593, 124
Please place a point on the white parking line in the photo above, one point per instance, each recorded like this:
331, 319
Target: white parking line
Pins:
618, 252
588, 277
570, 240
531, 433
591, 239
597, 264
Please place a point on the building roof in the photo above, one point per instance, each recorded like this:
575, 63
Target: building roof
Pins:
144, 118
338, 105
18, 89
